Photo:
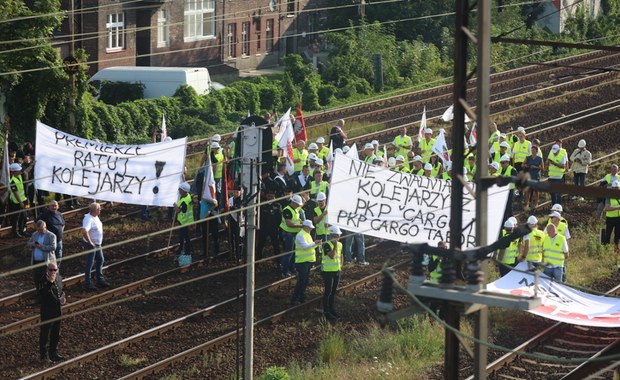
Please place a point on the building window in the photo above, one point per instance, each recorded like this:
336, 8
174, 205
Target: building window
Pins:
258, 32
290, 7
269, 36
199, 20
116, 31
163, 28
231, 40
245, 39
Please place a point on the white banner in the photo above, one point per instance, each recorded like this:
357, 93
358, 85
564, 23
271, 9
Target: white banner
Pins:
147, 174
403, 207
560, 302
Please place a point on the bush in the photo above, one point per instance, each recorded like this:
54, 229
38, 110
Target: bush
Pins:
326, 94
274, 373
112, 92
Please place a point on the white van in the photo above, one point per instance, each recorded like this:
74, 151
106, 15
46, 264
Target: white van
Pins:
157, 81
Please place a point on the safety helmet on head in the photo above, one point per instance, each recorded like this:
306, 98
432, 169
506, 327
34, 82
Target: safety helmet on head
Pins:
509, 224
184, 186
557, 207
312, 156
15, 167
318, 161
494, 165
505, 158
215, 145
400, 158
307, 223
391, 162
216, 138
321, 196
532, 220
334, 230
582, 143
368, 146
320, 140
296, 199
513, 220
504, 144
313, 146
428, 167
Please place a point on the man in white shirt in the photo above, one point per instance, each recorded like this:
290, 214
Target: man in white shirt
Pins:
92, 237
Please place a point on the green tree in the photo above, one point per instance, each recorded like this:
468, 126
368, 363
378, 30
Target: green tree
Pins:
31, 73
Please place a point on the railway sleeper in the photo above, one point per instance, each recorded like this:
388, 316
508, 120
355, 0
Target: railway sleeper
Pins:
581, 344
547, 364
572, 350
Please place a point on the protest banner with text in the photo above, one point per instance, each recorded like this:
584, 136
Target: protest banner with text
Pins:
403, 207
147, 174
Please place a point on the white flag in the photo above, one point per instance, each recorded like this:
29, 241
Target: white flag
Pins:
422, 125
208, 188
4, 176
440, 147
164, 130
330, 153
353, 152
285, 138
285, 118
448, 115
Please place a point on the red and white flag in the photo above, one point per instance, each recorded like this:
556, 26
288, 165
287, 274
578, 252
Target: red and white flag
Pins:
473, 137
4, 177
164, 130
300, 125
208, 189
441, 148
422, 125
285, 139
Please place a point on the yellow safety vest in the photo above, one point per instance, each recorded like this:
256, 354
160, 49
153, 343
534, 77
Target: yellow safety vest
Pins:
370, 159
314, 189
510, 253
435, 170
403, 143
521, 151
435, 275
296, 219
561, 227
471, 170
304, 255
507, 173
219, 165
613, 203
553, 254
302, 157
445, 176
554, 171
535, 251
493, 137
332, 265
426, 149
403, 169
320, 227
323, 153
21, 194
187, 216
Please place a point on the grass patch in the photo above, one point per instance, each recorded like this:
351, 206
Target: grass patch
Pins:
414, 345
128, 361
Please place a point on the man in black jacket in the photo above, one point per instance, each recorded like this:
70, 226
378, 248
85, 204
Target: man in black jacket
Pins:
52, 298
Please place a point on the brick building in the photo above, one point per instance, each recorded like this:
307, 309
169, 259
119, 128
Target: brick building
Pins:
223, 35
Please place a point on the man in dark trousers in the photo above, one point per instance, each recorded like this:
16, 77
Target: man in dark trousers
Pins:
55, 224
52, 298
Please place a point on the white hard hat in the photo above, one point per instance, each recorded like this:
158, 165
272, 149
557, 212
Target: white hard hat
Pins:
582, 143
320, 140
368, 146
557, 207
167, 139
313, 146
334, 230
15, 167
417, 158
504, 144
318, 161
428, 130
400, 158
502, 135
555, 214
428, 167
216, 138
184, 186
338, 150
521, 129
555, 148
215, 145
391, 162
312, 156
321, 196
307, 223
505, 158
345, 149
509, 224
374, 142
494, 165
513, 220
296, 199
532, 220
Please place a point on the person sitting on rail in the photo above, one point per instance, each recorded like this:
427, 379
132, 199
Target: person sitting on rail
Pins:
555, 253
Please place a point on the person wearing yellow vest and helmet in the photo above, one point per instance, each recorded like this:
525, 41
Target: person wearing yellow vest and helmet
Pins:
400, 165
532, 244
521, 149
331, 265
403, 143
470, 165
215, 138
323, 151
17, 201
318, 185
508, 256
561, 224
300, 156
319, 217
555, 253
556, 166
612, 217
369, 154
217, 159
506, 170
184, 209
305, 257
418, 166
494, 169
426, 145
434, 265
290, 226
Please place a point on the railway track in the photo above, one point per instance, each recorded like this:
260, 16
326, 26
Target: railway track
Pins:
133, 291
